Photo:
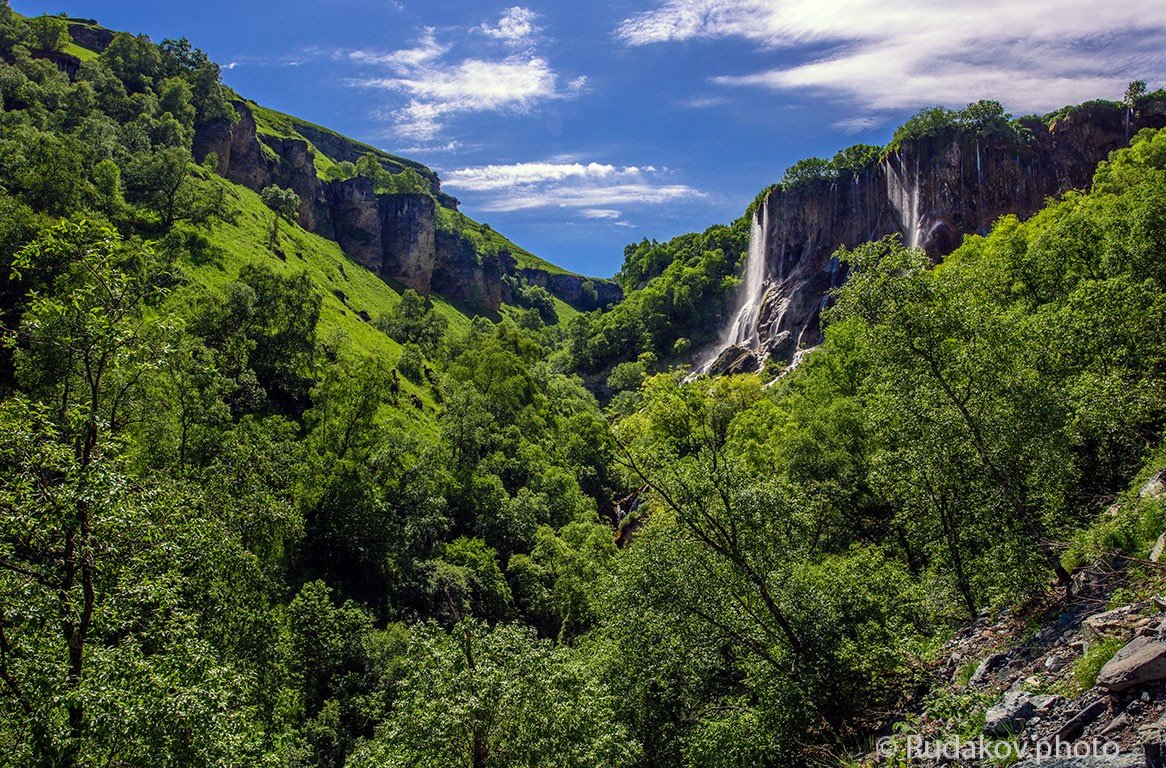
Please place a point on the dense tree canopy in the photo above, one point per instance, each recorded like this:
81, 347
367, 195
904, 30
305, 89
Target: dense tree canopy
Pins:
231, 536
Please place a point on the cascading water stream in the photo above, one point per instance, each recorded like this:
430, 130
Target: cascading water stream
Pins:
903, 194
742, 330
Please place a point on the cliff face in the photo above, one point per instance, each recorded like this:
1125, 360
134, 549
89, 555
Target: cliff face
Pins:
932, 192
578, 291
395, 236
392, 235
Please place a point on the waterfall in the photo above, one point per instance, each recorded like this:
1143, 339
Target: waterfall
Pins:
742, 330
904, 198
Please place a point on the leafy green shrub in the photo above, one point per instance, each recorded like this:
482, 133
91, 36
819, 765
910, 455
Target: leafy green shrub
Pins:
411, 363
807, 172
983, 119
414, 321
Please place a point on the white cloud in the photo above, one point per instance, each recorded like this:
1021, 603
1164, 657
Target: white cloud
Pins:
859, 123
437, 87
592, 187
704, 102
426, 51
1032, 54
486, 178
430, 149
515, 27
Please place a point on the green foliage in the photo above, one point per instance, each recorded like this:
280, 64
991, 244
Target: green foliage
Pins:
856, 159
406, 181
411, 363
415, 321
1135, 92
533, 297
49, 33
134, 60
1088, 667
679, 289
983, 119
847, 162
496, 697
284, 202
232, 533
812, 170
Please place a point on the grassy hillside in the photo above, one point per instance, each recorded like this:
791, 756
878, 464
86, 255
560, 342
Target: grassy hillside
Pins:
330, 148
486, 240
353, 297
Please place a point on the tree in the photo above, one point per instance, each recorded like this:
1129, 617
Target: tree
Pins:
954, 359
282, 328
500, 698
161, 181
49, 33
285, 203
809, 171
92, 673
415, 321
180, 57
676, 446
134, 60
1135, 92
86, 345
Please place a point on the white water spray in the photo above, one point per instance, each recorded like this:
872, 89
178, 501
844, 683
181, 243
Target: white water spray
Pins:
903, 193
742, 330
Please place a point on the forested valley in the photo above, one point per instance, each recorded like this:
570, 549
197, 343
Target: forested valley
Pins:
241, 525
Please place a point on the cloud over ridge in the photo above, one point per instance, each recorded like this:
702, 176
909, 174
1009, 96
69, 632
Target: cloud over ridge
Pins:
1033, 55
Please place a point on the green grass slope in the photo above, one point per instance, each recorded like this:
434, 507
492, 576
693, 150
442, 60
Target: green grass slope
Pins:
348, 289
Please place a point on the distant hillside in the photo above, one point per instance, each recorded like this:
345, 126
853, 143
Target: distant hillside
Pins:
386, 212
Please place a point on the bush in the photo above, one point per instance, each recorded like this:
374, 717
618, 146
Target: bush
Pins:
411, 364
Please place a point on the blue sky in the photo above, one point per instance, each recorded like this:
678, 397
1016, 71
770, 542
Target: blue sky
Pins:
576, 127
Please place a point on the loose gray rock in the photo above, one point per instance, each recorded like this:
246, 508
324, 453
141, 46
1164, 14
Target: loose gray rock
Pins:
1012, 712
1117, 761
1155, 486
1143, 660
988, 669
1153, 738
1119, 623
1159, 548
1078, 722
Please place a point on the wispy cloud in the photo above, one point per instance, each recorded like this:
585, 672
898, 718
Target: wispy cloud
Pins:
859, 124
516, 26
1034, 55
431, 149
599, 213
437, 85
704, 102
425, 51
594, 188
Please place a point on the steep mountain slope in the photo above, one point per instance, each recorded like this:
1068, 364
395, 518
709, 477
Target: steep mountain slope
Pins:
411, 235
